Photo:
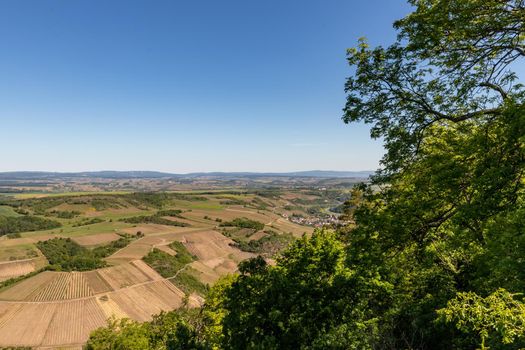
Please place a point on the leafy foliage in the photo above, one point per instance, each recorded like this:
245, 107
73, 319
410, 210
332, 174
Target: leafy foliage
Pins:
303, 302
270, 244
67, 255
498, 315
156, 219
244, 223
448, 203
16, 224
174, 330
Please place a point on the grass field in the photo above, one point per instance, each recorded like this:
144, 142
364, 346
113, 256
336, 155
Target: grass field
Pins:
7, 211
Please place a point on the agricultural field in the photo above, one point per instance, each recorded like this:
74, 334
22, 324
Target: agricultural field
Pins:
158, 249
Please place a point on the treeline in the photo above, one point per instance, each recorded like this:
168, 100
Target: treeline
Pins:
64, 214
88, 221
100, 202
157, 218
244, 223
26, 223
64, 254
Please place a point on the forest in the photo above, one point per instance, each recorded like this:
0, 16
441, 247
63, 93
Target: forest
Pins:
25, 223
435, 256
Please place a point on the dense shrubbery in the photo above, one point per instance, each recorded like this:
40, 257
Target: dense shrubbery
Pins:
88, 221
244, 223
157, 218
172, 330
269, 244
66, 255
153, 219
66, 214
15, 224
169, 212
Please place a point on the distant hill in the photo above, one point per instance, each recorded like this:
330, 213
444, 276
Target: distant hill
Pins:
36, 175
33, 175
310, 173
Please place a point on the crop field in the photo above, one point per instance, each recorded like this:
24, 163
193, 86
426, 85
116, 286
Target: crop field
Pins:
54, 309
96, 239
10, 269
67, 306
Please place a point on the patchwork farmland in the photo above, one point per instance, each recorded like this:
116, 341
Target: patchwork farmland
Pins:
42, 306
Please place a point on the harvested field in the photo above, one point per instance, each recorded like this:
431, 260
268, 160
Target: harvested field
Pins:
141, 302
207, 245
49, 324
26, 288
166, 249
27, 325
10, 269
110, 308
55, 286
100, 238
135, 250
287, 226
150, 228
65, 286
124, 275
215, 255
73, 321
206, 275
96, 282
59, 309
45, 318
147, 270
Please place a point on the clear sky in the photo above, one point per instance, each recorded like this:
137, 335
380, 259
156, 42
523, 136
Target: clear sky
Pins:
183, 86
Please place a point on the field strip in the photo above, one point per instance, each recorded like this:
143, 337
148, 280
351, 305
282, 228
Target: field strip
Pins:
161, 234
95, 296
91, 296
199, 229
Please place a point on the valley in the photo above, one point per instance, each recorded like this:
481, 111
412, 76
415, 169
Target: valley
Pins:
70, 261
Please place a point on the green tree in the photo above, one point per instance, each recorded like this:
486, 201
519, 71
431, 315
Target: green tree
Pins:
120, 335
308, 300
498, 315
447, 206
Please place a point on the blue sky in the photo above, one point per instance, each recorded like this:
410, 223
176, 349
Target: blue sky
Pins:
183, 86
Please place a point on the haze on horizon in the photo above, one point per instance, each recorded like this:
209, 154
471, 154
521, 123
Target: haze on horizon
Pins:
184, 87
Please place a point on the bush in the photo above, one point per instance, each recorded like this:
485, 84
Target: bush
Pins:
156, 219
85, 222
244, 223
66, 255
270, 244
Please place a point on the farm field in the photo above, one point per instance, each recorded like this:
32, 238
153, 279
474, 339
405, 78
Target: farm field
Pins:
57, 309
